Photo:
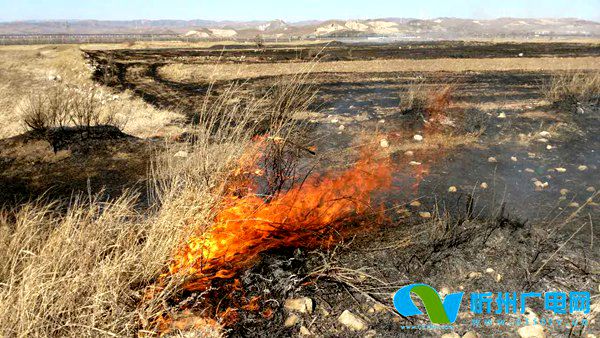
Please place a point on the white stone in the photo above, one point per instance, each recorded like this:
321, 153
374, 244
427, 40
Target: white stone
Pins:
492, 159
561, 170
341, 127
304, 331
414, 163
409, 153
544, 134
574, 205
291, 320
384, 143
471, 334
564, 191
484, 185
582, 167
452, 189
489, 270
418, 138
302, 305
351, 321
590, 189
502, 116
451, 335
532, 331
425, 214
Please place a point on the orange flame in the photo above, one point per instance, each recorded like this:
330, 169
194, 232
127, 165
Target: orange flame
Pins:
307, 215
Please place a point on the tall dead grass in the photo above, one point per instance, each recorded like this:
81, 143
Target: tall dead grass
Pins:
88, 268
423, 99
568, 90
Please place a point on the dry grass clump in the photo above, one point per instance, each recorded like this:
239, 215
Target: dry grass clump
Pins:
89, 268
569, 90
422, 99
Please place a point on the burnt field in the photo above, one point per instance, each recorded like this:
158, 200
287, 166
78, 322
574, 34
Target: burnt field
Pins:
461, 165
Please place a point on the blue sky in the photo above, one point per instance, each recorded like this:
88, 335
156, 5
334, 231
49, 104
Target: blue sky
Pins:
291, 10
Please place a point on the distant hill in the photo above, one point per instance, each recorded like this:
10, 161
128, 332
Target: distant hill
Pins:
401, 28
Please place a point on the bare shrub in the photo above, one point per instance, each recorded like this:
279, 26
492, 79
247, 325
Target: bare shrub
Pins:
60, 107
424, 100
569, 90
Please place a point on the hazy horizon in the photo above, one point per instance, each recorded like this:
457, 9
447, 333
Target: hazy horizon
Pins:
297, 11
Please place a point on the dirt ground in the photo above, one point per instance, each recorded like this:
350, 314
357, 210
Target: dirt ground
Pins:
476, 221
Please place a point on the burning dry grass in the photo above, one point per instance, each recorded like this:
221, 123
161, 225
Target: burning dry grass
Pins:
569, 90
89, 267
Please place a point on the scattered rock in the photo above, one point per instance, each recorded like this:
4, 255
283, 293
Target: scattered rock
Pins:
529, 170
291, 321
370, 334
531, 155
582, 167
514, 159
471, 334
544, 134
381, 121
341, 127
384, 143
532, 331
502, 116
452, 189
451, 335
378, 307
483, 185
409, 153
304, 331
489, 270
564, 191
590, 189
425, 214
415, 204
302, 305
474, 275
414, 163
521, 55
542, 140
574, 205
418, 138
549, 147
181, 154
351, 321
492, 159
561, 170
335, 120
498, 278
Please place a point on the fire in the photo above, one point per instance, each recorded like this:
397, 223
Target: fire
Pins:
304, 216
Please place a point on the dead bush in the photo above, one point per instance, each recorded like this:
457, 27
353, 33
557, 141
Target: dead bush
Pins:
570, 90
60, 107
425, 100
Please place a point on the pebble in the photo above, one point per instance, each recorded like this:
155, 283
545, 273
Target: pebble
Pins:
582, 167
351, 321
502, 116
542, 140
451, 335
474, 275
291, 320
382, 121
564, 191
489, 270
425, 214
418, 138
544, 134
471, 334
574, 205
514, 159
532, 331
529, 170
452, 189
335, 121
561, 170
341, 127
304, 331
531, 155
384, 143
549, 147
415, 204
498, 278
414, 163
483, 185
492, 160
409, 153
590, 189
302, 305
